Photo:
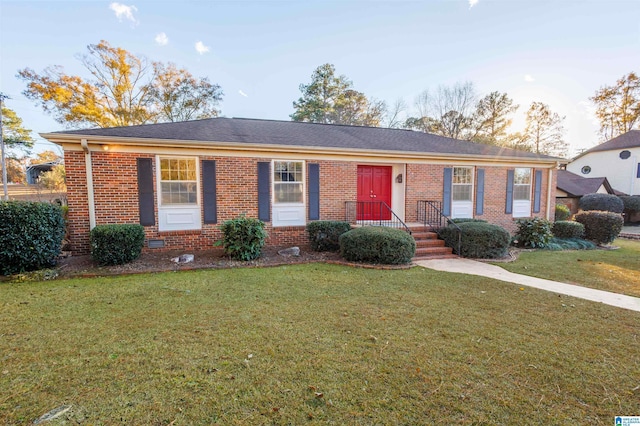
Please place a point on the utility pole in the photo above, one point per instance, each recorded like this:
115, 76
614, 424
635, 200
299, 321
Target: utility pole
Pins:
4, 159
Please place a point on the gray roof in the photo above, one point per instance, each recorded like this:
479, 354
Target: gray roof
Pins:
577, 186
291, 133
631, 139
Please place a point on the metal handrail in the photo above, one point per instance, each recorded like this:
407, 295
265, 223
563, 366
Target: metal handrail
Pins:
430, 214
359, 209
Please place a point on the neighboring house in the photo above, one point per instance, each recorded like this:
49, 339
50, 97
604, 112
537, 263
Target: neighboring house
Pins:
34, 171
571, 187
180, 180
618, 160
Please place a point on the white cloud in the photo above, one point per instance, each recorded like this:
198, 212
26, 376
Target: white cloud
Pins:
243, 94
201, 48
473, 3
123, 11
162, 39
529, 78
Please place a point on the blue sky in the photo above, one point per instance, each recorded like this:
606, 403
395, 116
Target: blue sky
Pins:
558, 52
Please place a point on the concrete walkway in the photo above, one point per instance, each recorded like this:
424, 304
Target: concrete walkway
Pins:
472, 267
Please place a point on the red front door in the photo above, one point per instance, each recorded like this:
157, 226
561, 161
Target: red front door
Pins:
374, 186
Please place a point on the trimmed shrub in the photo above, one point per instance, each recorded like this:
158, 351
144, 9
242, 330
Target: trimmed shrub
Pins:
324, 234
377, 244
602, 202
243, 238
116, 244
600, 227
562, 213
534, 233
30, 235
467, 219
557, 244
479, 240
631, 206
568, 229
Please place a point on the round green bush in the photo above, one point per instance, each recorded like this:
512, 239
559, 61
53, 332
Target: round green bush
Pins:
602, 202
377, 244
31, 235
324, 234
631, 203
243, 238
479, 240
568, 229
116, 244
599, 226
534, 233
562, 212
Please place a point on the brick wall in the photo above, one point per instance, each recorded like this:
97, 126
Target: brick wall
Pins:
116, 196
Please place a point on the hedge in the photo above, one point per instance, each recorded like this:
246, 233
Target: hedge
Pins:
116, 244
599, 226
602, 202
324, 234
479, 240
31, 235
568, 229
377, 244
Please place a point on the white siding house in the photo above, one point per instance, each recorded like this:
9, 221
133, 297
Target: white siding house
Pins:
618, 160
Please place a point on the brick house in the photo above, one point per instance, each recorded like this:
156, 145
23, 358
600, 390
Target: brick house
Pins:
180, 180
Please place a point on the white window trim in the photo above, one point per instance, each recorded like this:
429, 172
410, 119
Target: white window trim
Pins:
465, 205
179, 211
299, 209
522, 208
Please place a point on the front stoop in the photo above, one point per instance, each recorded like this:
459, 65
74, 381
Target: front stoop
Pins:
429, 246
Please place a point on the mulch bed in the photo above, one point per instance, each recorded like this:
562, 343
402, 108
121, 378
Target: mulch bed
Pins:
161, 261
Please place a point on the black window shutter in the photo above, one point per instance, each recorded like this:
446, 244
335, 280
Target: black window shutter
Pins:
314, 191
264, 191
209, 191
638, 172
480, 192
537, 191
509, 204
145, 191
446, 193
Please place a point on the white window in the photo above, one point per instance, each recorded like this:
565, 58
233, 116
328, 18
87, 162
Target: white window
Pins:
288, 193
522, 192
178, 200
178, 181
462, 192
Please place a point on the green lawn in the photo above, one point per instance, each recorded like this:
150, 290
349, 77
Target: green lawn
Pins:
610, 270
312, 344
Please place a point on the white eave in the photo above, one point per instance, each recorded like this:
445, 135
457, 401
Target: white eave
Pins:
75, 139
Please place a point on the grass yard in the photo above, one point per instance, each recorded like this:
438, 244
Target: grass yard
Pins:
610, 270
312, 344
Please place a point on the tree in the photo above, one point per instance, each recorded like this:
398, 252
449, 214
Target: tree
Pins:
491, 119
447, 112
55, 179
124, 90
13, 132
180, 96
544, 131
330, 99
618, 106
45, 157
16, 170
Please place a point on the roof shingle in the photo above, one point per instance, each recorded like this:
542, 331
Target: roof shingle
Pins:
291, 133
